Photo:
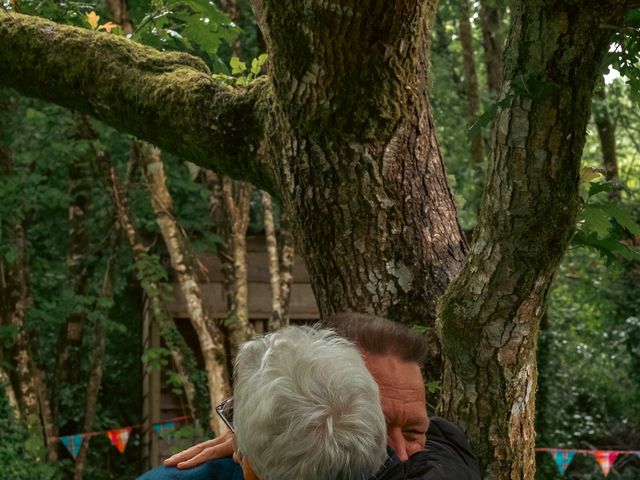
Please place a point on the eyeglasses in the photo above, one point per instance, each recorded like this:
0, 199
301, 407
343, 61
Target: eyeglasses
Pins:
225, 411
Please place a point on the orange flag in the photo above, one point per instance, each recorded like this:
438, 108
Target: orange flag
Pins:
119, 438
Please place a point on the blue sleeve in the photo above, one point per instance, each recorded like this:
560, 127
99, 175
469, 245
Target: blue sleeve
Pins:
221, 469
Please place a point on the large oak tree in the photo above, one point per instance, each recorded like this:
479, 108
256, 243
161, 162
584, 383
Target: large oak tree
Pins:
340, 129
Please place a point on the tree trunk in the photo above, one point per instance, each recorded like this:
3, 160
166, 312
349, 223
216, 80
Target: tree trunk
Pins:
210, 337
471, 84
97, 367
236, 197
271, 241
607, 133
280, 256
286, 265
490, 315
361, 171
153, 289
490, 20
10, 394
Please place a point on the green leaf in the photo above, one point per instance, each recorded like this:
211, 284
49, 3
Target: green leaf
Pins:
598, 187
608, 247
487, 117
596, 220
534, 87
419, 328
256, 63
622, 216
237, 67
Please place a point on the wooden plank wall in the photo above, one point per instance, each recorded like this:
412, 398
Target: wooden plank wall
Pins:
159, 403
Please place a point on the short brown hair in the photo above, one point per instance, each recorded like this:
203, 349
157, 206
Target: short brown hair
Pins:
379, 336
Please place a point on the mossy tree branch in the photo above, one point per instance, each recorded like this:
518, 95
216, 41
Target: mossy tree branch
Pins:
166, 98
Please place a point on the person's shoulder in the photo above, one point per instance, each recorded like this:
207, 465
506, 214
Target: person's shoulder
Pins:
447, 455
219, 469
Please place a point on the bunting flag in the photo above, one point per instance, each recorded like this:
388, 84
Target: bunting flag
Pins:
606, 458
164, 430
119, 437
73, 443
563, 458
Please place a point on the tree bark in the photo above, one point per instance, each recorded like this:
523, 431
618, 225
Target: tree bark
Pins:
280, 257
286, 265
360, 166
236, 197
490, 20
271, 241
210, 337
490, 315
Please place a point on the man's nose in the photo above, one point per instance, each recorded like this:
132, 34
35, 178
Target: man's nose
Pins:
395, 439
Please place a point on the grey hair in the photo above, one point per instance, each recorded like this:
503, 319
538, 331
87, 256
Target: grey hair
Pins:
306, 407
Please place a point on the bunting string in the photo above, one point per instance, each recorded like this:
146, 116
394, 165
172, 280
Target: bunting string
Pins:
606, 458
119, 436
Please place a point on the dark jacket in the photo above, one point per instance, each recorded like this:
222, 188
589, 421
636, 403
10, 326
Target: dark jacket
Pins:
446, 456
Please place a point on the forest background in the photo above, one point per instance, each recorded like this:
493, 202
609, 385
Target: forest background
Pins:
87, 233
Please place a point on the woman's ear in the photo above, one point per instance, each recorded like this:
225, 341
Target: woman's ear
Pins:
247, 471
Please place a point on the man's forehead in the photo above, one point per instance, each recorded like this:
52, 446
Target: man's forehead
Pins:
393, 373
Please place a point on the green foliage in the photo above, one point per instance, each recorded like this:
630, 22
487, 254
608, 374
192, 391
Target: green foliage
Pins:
198, 27
604, 224
625, 57
589, 388
240, 74
21, 451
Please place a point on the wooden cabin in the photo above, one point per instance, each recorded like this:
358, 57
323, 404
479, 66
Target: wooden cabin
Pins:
159, 403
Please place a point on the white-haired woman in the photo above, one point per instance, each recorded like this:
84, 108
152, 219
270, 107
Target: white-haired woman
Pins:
306, 408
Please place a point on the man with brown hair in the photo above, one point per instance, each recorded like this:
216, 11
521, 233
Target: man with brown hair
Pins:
430, 449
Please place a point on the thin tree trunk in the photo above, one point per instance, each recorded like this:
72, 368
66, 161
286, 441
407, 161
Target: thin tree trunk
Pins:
271, 241
153, 290
490, 19
607, 133
471, 83
10, 394
286, 265
236, 196
211, 339
280, 257
97, 368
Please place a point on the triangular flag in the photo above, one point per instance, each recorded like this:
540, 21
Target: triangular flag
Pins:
562, 458
164, 430
73, 443
606, 458
119, 437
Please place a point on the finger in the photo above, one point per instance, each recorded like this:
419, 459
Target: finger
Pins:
191, 452
211, 453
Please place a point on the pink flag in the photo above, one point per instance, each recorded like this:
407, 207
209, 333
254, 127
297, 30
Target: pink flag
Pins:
119, 438
606, 458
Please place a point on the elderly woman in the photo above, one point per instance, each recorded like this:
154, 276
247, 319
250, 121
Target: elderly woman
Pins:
306, 408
